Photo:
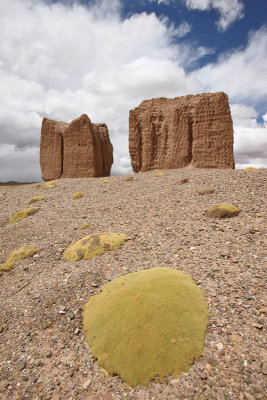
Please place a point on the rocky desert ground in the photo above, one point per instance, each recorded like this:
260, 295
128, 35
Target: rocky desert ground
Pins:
43, 350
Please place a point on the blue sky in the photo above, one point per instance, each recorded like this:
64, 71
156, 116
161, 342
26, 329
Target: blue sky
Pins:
59, 59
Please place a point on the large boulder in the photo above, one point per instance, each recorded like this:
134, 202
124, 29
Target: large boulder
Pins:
194, 130
80, 149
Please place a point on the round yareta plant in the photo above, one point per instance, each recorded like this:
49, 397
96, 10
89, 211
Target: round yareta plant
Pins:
147, 324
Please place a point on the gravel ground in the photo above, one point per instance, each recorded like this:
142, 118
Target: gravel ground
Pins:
43, 351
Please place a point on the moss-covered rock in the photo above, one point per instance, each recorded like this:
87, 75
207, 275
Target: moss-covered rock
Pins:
94, 245
22, 214
48, 185
223, 210
35, 199
23, 252
78, 195
158, 174
147, 324
206, 190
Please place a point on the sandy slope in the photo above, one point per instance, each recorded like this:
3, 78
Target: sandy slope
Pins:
43, 352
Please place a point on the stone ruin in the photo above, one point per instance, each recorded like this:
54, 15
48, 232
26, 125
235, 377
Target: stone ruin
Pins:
188, 131
76, 150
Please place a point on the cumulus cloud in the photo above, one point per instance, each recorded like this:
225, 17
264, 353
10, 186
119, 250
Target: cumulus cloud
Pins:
250, 137
229, 10
241, 73
59, 61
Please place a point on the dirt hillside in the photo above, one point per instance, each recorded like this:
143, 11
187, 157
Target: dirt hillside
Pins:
43, 351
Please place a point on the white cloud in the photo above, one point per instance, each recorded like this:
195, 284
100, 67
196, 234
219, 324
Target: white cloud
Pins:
242, 73
59, 62
229, 10
250, 137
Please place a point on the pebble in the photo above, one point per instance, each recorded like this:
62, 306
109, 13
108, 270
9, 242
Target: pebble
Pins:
77, 331
223, 382
249, 396
175, 381
21, 365
87, 384
219, 346
48, 354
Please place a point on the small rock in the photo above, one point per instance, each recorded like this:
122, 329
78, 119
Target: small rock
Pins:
48, 354
71, 316
219, 346
258, 326
223, 382
21, 365
203, 376
175, 381
249, 396
77, 331
87, 384
94, 284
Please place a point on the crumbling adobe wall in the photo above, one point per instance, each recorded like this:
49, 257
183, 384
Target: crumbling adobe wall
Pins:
194, 130
76, 150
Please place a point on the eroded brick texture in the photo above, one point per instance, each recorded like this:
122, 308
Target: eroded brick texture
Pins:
76, 150
194, 131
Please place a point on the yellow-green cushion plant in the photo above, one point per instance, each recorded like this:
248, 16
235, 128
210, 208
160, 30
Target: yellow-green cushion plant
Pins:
35, 199
85, 226
223, 210
147, 324
158, 174
48, 185
129, 178
251, 169
23, 252
37, 185
77, 195
94, 245
22, 214
105, 181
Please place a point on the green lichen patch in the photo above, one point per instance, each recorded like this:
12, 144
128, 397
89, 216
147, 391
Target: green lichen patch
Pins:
147, 324
94, 245
206, 190
223, 210
23, 252
22, 214
35, 199
251, 169
85, 226
78, 195
158, 174
129, 178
